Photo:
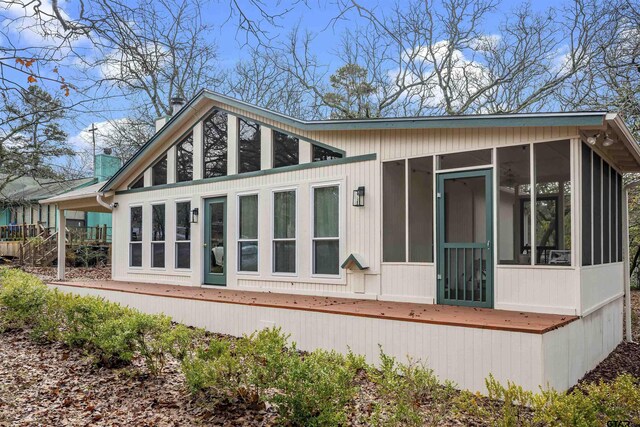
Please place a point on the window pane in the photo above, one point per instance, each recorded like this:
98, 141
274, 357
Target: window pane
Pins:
285, 149
587, 206
138, 183
157, 229
183, 221
135, 254
248, 256
393, 212
184, 159
553, 203
284, 257
320, 153
326, 211
249, 217
157, 255
183, 255
326, 253
514, 222
421, 209
464, 160
597, 209
284, 215
136, 224
606, 216
159, 172
248, 146
214, 129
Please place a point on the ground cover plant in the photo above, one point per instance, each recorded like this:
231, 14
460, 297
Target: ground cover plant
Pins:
257, 379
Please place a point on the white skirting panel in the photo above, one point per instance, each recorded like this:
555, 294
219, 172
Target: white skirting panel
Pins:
539, 290
408, 282
572, 351
464, 355
600, 285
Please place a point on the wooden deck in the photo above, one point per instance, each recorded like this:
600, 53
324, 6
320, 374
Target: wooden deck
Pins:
480, 318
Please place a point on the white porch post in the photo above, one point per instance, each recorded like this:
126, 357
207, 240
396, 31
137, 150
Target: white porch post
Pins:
626, 261
62, 244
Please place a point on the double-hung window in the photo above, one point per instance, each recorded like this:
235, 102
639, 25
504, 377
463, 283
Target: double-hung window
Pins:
157, 236
326, 230
135, 237
248, 233
183, 235
284, 231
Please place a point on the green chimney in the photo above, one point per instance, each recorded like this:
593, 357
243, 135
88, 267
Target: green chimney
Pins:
106, 165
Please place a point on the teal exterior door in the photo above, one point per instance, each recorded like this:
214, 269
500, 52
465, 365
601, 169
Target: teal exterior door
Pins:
464, 238
215, 241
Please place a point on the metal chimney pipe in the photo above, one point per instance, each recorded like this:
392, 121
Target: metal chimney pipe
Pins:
177, 102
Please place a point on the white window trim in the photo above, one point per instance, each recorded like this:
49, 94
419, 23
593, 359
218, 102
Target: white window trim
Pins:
141, 241
274, 239
175, 237
313, 231
240, 240
164, 242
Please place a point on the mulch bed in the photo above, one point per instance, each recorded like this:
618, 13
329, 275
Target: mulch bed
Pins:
71, 273
53, 385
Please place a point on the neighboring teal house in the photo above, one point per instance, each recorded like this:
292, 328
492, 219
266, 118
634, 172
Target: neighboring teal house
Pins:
106, 166
19, 202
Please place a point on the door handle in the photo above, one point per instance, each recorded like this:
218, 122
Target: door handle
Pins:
488, 244
204, 245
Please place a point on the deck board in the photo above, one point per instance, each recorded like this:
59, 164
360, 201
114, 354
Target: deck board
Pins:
482, 318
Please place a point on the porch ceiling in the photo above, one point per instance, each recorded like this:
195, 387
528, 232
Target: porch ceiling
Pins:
82, 199
469, 317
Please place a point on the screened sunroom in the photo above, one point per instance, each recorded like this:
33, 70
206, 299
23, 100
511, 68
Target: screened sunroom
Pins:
518, 226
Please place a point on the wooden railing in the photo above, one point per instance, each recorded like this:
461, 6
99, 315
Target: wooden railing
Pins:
20, 231
40, 251
88, 235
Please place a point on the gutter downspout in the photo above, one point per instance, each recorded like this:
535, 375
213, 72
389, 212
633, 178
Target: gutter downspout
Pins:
103, 203
627, 266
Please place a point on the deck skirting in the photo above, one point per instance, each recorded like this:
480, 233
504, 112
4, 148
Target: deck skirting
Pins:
465, 355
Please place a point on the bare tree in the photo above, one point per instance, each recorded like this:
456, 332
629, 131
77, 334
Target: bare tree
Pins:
428, 58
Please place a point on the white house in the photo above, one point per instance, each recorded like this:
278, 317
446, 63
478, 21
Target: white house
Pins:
428, 210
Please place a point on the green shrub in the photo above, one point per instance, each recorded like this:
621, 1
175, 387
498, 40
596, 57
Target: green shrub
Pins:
115, 334
403, 388
243, 369
515, 402
315, 389
23, 299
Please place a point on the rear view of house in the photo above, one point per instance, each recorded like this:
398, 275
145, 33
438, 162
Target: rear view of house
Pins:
519, 216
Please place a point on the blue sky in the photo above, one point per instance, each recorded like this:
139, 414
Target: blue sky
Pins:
315, 16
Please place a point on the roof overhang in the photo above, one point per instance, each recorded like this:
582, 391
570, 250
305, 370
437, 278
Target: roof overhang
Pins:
82, 199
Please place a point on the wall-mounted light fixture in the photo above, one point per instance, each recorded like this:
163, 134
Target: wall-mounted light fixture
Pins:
194, 216
608, 140
358, 197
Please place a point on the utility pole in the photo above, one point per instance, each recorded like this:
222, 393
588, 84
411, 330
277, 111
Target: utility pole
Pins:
93, 135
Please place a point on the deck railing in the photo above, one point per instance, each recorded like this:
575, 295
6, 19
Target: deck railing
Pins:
19, 232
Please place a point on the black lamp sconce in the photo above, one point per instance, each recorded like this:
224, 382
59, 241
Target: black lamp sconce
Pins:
358, 197
194, 216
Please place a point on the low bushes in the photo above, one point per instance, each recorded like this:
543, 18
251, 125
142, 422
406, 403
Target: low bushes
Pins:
110, 333
311, 389
307, 389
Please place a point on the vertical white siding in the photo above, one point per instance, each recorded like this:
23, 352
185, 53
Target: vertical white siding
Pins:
538, 289
465, 356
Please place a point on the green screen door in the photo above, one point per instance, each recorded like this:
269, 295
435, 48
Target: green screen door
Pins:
215, 248
465, 234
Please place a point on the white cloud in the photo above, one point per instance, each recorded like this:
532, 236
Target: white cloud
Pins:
83, 140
